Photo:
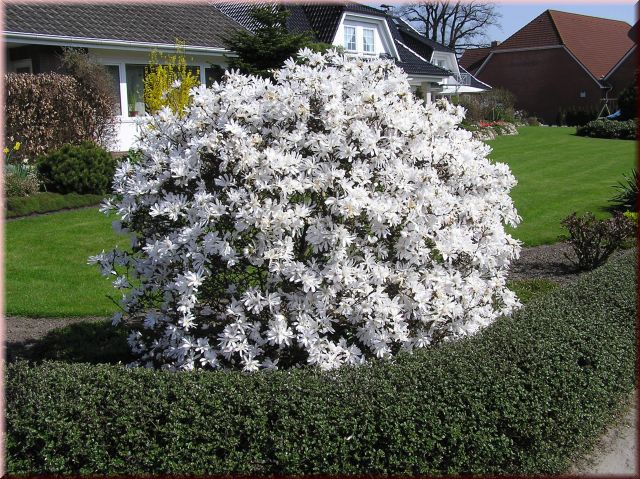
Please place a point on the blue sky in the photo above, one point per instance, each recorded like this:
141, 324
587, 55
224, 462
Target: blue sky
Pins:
515, 16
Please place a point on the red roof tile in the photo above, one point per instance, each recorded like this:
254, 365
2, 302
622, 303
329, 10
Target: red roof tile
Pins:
539, 32
597, 43
472, 58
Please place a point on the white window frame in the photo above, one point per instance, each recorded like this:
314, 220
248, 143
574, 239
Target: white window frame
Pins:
352, 36
372, 44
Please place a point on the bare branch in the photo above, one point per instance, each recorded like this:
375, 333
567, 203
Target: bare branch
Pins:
458, 24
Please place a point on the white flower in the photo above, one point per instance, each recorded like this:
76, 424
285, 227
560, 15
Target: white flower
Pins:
329, 213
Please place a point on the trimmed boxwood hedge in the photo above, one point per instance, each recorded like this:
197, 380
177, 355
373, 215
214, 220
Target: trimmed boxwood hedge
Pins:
48, 202
519, 398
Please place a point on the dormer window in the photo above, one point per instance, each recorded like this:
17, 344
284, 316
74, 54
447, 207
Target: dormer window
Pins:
365, 36
350, 38
368, 40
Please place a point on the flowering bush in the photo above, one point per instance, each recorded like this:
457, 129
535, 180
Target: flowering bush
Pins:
20, 178
324, 219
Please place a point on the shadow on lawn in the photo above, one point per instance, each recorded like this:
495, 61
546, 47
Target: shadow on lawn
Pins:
86, 342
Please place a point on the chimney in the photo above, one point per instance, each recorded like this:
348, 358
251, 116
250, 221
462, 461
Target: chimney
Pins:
495, 43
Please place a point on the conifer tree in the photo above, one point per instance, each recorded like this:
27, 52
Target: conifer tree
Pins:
270, 44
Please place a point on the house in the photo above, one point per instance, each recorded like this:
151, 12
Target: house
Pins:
121, 36
557, 62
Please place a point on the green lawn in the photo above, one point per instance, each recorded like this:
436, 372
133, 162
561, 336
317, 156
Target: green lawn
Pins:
559, 173
46, 271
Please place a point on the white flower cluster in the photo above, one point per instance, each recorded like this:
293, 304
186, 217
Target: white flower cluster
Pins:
325, 219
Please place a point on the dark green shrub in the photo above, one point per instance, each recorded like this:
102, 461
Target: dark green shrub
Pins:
603, 128
85, 169
626, 198
519, 398
593, 240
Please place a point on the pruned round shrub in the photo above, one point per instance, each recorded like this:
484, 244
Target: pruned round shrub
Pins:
325, 219
85, 168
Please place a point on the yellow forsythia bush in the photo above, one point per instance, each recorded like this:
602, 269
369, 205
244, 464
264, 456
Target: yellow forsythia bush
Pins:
168, 80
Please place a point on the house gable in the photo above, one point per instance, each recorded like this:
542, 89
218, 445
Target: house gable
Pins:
539, 32
597, 43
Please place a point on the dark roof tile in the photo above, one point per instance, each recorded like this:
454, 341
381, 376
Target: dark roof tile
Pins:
195, 24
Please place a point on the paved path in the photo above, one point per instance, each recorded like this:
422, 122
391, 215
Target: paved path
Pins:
616, 451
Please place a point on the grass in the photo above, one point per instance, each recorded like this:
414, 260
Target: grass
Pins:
559, 173
48, 202
46, 265
529, 289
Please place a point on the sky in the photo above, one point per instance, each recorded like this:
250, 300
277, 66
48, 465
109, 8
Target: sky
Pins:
515, 16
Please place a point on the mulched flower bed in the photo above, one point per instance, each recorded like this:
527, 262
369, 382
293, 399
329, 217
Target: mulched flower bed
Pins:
546, 262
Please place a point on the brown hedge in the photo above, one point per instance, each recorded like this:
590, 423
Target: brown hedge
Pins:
47, 110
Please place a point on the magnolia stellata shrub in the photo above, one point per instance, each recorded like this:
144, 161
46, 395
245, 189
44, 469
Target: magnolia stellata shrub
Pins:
328, 218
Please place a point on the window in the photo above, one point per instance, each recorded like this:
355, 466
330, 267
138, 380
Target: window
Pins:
350, 38
23, 66
213, 74
135, 87
367, 40
114, 81
135, 90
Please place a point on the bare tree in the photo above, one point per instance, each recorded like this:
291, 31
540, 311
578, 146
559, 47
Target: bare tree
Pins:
457, 25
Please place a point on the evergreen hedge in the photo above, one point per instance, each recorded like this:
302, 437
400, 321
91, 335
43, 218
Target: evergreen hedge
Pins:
625, 130
48, 202
519, 398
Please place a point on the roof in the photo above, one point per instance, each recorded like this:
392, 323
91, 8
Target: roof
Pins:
323, 20
195, 24
472, 58
241, 13
407, 32
205, 25
597, 43
473, 81
325, 17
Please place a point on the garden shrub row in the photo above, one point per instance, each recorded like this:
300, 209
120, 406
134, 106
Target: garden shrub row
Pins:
48, 202
48, 110
625, 130
517, 399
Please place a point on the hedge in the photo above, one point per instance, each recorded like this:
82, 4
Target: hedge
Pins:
48, 110
625, 130
519, 398
48, 202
